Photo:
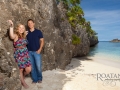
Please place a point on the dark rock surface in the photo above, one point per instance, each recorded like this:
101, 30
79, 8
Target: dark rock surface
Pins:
50, 18
93, 41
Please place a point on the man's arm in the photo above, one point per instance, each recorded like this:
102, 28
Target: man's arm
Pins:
41, 45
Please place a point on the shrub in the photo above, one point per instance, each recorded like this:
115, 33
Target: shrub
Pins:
75, 40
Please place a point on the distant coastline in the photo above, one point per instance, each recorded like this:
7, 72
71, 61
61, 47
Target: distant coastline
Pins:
115, 40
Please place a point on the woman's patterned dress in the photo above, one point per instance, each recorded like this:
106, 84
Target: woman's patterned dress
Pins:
21, 53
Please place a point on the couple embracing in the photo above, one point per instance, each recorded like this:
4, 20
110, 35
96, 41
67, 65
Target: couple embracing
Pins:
27, 49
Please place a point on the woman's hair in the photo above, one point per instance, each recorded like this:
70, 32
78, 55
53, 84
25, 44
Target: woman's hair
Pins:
17, 32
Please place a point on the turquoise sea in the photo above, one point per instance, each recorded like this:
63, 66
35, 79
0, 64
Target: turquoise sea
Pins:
106, 50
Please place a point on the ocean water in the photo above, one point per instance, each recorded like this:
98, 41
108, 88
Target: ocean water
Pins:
106, 50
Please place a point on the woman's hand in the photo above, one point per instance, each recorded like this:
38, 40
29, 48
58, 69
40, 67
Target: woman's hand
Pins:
10, 22
11, 32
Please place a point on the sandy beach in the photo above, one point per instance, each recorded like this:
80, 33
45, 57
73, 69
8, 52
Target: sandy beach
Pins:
81, 74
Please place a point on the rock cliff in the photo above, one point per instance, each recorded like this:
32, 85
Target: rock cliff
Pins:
50, 18
93, 41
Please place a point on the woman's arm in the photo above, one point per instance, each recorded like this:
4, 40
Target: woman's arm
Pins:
11, 32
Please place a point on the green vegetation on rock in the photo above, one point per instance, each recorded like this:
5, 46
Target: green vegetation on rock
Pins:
75, 40
75, 16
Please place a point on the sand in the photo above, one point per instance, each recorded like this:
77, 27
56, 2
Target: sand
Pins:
81, 74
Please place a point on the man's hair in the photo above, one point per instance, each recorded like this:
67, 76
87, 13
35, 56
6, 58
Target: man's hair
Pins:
30, 20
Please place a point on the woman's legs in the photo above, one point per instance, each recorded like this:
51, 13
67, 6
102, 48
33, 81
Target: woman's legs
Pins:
22, 79
27, 71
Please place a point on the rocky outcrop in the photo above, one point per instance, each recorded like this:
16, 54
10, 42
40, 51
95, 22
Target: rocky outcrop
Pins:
115, 40
9, 74
50, 18
93, 41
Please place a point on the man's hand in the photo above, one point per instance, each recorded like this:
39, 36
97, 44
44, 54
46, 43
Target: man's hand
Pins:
38, 51
26, 32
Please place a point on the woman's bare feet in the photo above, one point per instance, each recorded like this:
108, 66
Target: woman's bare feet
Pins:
25, 85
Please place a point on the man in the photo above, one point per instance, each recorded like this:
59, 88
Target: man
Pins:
35, 44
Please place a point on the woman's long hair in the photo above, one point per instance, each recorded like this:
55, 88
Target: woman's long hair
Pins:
17, 32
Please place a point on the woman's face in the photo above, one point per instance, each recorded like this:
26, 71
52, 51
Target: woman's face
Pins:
21, 29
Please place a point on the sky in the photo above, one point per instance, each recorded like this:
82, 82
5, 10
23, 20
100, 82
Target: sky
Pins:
104, 16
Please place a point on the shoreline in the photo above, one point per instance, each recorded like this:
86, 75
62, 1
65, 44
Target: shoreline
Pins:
106, 61
80, 74
105, 56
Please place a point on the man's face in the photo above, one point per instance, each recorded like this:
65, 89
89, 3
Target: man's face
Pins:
31, 24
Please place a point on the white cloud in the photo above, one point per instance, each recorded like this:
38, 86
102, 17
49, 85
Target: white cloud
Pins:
103, 17
105, 23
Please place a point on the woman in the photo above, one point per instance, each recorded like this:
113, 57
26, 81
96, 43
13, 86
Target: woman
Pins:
21, 53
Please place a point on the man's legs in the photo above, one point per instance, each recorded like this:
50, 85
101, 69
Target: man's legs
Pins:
33, 71
38, 65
